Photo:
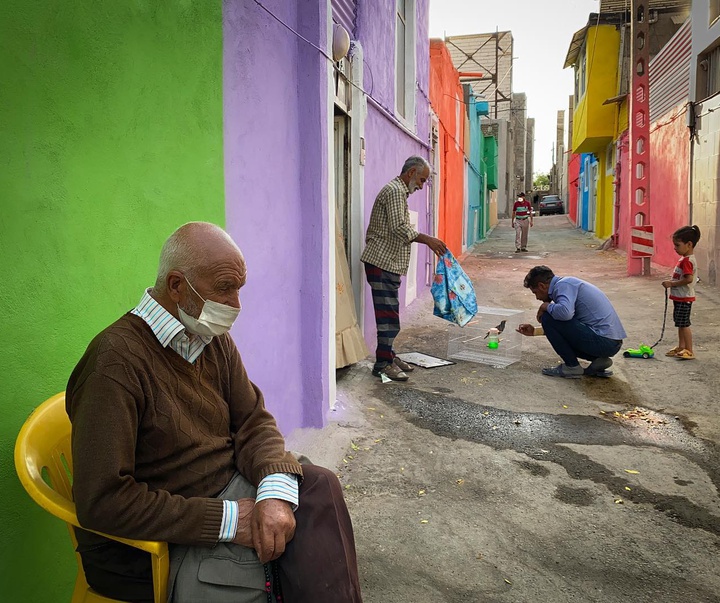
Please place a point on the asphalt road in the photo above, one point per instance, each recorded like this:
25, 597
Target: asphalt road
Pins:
471, 483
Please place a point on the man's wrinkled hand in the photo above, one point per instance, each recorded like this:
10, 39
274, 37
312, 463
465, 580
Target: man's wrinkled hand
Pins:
273, 526
243, 536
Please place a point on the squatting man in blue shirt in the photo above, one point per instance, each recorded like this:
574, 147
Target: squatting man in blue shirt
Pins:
579, 322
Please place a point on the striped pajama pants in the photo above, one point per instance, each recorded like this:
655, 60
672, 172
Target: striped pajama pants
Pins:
385, 288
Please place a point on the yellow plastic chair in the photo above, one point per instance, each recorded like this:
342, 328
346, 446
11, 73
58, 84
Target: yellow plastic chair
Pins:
42, 455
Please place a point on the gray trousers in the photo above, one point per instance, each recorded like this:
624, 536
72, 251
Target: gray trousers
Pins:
223, 573
521, 232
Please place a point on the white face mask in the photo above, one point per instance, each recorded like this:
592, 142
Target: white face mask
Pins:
215, 318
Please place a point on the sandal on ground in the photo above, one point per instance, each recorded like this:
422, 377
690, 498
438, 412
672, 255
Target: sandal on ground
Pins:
685, 355
674, 351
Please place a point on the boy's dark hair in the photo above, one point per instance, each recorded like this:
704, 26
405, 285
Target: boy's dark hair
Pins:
687, 234
538, 274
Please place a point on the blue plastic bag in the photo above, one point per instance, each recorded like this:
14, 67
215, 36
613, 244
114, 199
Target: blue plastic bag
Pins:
453, 292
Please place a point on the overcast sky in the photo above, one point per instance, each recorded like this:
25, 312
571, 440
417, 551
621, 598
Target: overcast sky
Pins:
542, 31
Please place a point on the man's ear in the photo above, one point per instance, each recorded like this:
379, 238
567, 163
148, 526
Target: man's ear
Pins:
176, 285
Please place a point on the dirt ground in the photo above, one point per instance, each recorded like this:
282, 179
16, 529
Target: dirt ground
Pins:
478, 484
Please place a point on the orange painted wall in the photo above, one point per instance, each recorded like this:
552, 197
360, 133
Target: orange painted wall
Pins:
446, 97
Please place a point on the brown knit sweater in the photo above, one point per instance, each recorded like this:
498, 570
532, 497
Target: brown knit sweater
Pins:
155, 438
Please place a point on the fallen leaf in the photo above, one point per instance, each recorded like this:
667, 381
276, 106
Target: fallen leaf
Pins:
421, 492
350, 456
402, 468
508, 581
564, 405
371, 408
619, 501
347, 487
423, 521
345, 461
382, 416
378, 440
602, 412
628, 489
460, 481
354, 446
631, 471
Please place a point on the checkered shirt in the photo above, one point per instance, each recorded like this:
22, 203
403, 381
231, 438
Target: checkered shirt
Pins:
389, 234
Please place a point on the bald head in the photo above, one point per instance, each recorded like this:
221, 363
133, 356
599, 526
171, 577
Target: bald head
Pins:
194, 249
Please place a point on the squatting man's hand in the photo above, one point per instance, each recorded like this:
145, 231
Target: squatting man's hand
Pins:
541, 310
526, 329
266, 526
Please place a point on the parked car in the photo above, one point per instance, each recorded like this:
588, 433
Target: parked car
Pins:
551, 204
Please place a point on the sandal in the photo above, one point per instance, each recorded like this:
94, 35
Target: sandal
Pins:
685, 355
674, 351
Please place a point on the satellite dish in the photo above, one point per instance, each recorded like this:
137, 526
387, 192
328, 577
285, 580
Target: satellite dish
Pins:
340, 42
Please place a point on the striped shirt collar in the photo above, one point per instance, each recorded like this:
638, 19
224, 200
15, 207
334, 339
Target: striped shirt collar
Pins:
169, 330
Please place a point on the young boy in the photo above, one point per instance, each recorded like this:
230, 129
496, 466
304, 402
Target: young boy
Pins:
682, 289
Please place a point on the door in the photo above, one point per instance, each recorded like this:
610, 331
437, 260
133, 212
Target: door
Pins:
342, 179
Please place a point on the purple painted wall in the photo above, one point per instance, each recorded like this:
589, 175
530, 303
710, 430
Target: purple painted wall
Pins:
387, 145
276, 160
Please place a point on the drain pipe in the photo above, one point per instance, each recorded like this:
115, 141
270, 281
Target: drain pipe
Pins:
691, 124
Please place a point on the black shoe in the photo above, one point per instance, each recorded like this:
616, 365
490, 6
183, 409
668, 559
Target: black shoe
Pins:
517, 250
524, 249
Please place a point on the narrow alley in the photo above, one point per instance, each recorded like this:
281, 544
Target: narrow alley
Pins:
473, 483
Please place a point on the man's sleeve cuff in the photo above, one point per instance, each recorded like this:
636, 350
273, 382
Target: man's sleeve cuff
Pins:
283, 486
228, 527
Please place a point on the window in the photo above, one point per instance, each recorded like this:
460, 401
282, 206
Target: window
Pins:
405, 60
709, 73
714, 10
580, 75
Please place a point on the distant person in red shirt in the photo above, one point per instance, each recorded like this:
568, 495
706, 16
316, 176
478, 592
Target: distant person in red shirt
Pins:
521, 220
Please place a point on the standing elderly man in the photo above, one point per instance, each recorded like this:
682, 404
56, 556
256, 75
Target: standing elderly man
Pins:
387, 258
578, 320
521, 220
171, 441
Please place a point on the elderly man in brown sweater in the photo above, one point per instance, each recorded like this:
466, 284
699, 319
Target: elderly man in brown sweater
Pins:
171, 441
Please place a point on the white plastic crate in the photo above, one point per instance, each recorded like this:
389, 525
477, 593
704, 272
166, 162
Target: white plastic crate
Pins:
469, 342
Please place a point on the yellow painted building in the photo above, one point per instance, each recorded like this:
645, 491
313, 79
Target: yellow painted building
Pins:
600, 114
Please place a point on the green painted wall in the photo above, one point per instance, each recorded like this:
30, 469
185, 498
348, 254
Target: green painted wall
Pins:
110, 137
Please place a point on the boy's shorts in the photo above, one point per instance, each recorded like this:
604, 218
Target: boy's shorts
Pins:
681, 313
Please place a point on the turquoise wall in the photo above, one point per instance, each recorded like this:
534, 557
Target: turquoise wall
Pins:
477, 219
111, 121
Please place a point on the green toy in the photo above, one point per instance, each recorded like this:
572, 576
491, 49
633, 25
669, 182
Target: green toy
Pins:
644, 351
